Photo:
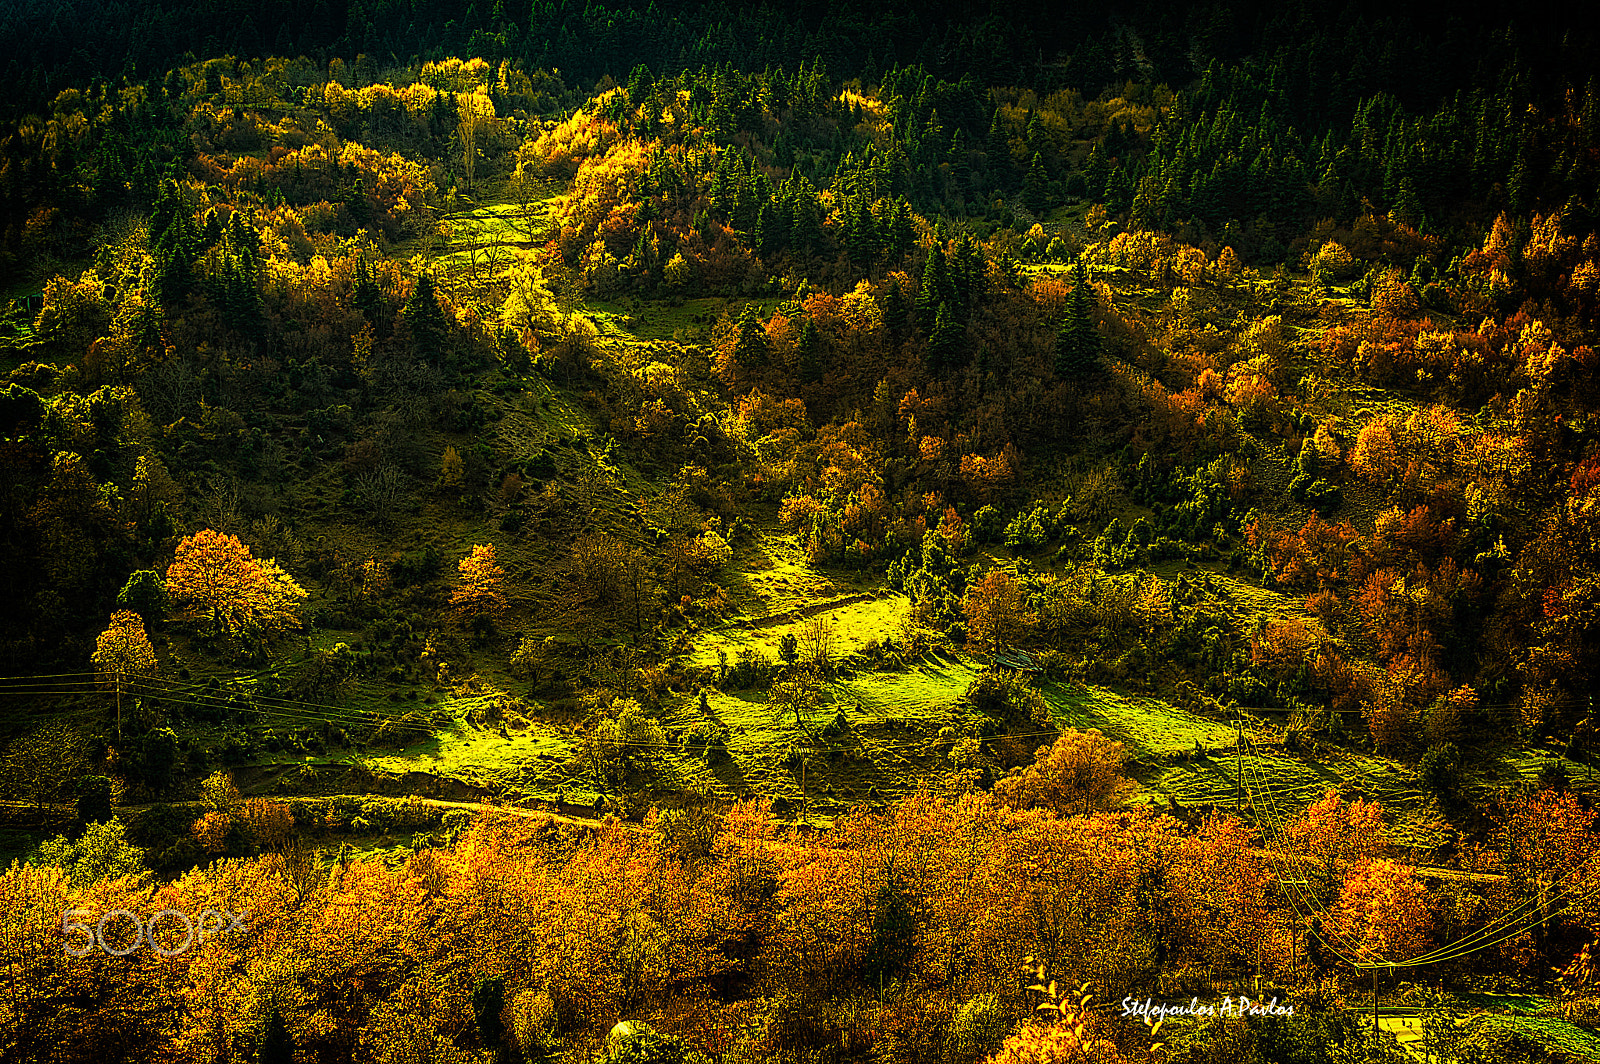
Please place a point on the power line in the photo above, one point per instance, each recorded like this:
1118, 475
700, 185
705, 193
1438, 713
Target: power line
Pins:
1469, 944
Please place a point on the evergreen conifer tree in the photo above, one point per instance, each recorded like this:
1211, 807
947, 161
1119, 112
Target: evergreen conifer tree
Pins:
896, 314
1036, 186
935, 287
1077, 342
1002, 171
424, 318
945, 340
753, 348
1095, 173
808, 350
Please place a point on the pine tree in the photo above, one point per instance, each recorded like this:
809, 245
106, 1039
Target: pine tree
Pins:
935, 286
1002, 170
1036, 186
1119, 191
896, 314
1095, 173
1077, 342
808, 350
424, 318
944, 341
1407, 207
177, 244
720, 195
754, 347
968, 273
806, 230
365, 294
902, 234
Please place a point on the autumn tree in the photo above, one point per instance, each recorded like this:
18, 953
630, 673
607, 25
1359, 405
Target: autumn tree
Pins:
473, 109
215, 575
1337, 834
996, 611
619, 739
605, 571
480, 593
1547, 841
816, 645
1078, 772
41, 765
1382, 913
122, 651
101, 852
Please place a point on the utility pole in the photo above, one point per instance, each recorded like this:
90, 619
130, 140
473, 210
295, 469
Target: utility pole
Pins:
1374, 1003
1238, 753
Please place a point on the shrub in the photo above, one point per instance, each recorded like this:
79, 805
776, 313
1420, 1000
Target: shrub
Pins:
1440, 771
987, 525
977, 1028
1006, 696
534, 1021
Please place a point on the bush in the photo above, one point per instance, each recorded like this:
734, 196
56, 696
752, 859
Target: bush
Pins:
988, 526
1440, 771
94, 799
416, 566
977, 1028
632, 1042
1006, 696
752, 669
1031, 530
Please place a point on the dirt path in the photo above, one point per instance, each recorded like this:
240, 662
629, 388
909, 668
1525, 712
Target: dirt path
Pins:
772, 620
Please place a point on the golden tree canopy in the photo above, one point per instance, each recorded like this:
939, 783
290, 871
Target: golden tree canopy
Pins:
123, 649
1079, 772
481, 591
215, 574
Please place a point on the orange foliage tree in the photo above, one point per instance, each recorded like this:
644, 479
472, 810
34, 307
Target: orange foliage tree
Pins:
1547, 842
215, 575
1382, 914
996, 611
1337, 834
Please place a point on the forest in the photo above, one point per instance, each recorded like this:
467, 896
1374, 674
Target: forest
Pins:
677, 533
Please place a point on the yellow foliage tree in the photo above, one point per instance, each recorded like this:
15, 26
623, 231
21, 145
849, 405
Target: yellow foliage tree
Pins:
215, 574
1078, 772
1375, 455
481, 591
121, 651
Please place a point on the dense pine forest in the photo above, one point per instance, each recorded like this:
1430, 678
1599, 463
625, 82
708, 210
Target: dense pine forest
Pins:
810, 533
